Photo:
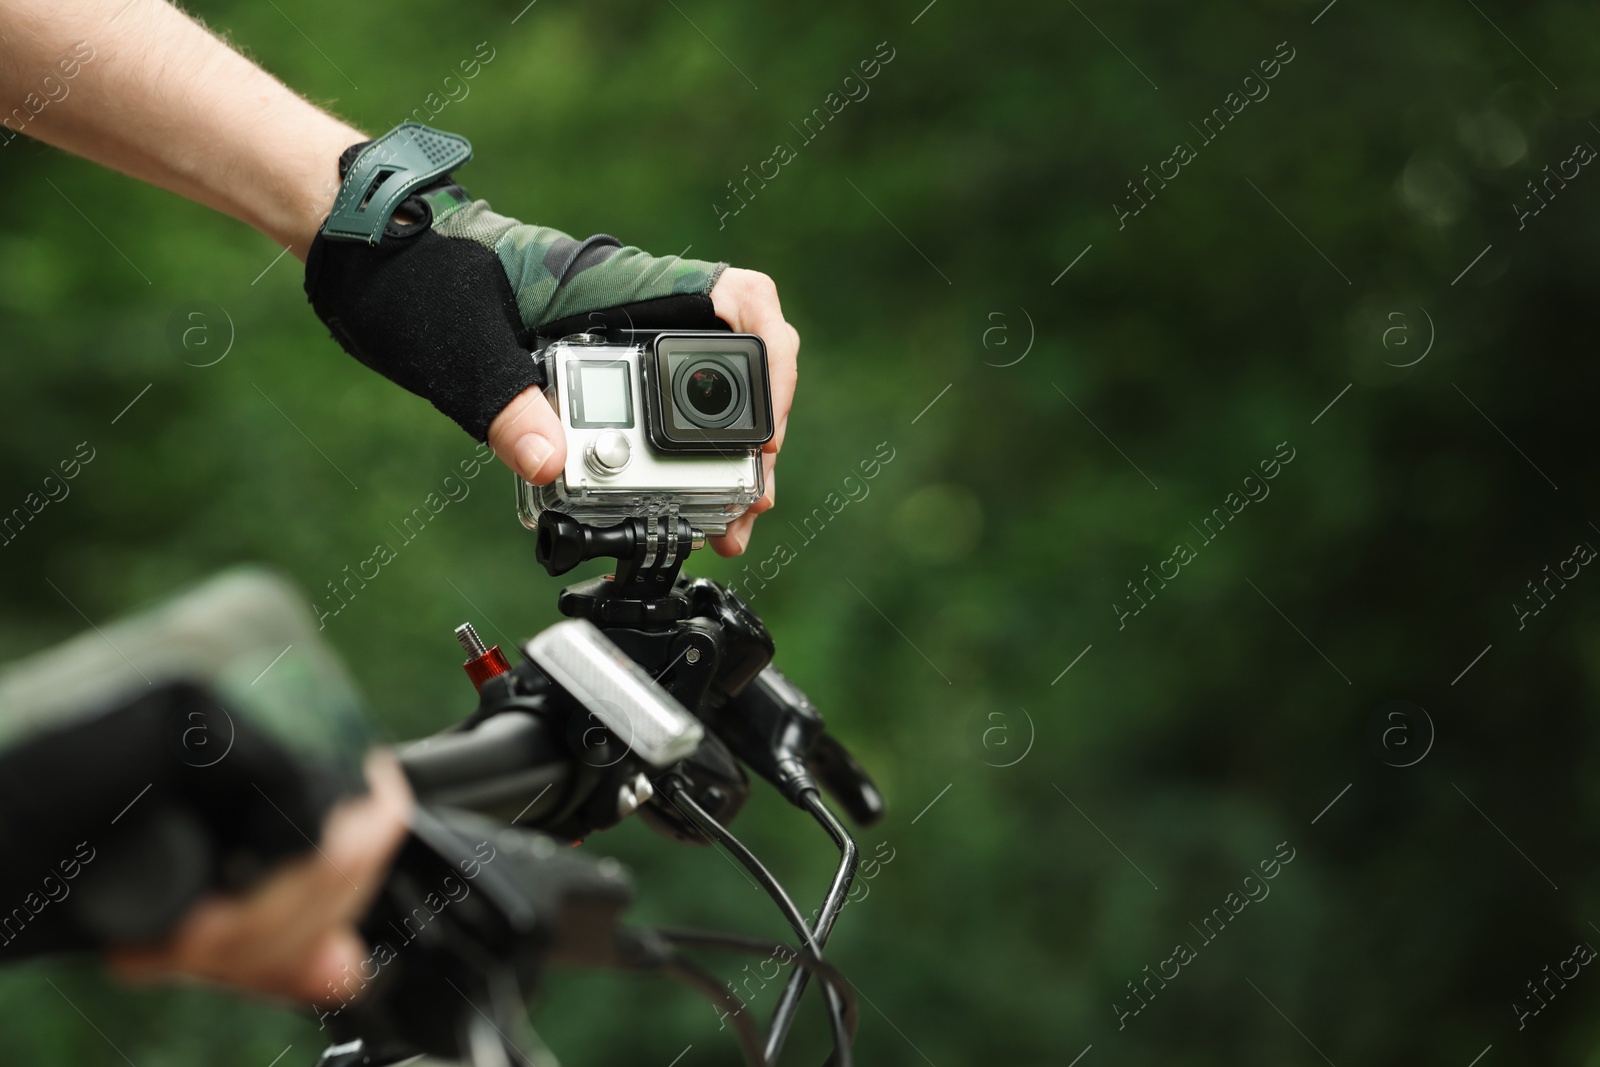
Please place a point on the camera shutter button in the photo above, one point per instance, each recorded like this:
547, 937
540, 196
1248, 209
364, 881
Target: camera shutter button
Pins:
608, 453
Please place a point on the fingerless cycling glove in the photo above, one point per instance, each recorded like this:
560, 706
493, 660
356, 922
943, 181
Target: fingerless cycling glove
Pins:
443, 296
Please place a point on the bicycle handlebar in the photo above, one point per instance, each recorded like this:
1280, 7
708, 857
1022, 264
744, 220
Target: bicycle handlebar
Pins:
540, 755
513, 766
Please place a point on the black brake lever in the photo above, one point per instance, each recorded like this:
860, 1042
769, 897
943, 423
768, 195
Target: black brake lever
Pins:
773, 726
845, 780
470, 901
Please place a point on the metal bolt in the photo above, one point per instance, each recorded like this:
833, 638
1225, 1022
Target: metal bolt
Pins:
643, 788
627, 801
471, 643
692, 656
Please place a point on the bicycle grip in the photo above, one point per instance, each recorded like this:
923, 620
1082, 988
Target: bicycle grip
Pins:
513, 766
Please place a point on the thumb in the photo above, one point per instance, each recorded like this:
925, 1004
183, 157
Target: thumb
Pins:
527, 437
331, 960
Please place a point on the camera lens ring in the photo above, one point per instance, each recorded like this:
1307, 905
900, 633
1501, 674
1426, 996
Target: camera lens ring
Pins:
720, 378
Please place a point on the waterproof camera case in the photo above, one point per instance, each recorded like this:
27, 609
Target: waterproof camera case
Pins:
662, 423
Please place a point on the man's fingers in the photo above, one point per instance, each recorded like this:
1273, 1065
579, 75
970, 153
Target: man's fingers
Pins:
339, 955
748, 301
734, 541
366, 832
784, 369
307, 971
527, 437
294, 935
737, 539
770, 497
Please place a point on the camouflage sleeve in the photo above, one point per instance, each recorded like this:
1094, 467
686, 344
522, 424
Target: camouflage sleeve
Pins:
246, 635
555, 276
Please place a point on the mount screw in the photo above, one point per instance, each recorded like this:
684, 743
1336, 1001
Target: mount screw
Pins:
471, 643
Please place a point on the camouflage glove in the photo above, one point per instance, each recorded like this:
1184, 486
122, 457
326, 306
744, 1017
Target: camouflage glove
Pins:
445, 299
182, 751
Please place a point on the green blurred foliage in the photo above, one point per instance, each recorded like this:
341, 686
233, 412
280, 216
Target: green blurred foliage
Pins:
944, 606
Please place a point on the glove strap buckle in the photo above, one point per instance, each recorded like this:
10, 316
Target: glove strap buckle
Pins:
386, 172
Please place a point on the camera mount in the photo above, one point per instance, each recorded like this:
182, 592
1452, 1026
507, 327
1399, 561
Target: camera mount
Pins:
705, 646
649, 552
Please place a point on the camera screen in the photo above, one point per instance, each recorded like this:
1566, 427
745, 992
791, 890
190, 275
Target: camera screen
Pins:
600, 393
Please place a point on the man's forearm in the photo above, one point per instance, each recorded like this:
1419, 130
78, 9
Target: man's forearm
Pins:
165, 101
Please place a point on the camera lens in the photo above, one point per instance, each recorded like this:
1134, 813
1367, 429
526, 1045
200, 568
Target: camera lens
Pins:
708, 392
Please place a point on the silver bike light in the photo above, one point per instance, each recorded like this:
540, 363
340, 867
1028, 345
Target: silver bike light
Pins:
616, 691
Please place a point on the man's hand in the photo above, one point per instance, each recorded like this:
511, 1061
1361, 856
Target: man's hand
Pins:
442, 319
447, 302
294, 936
527, 434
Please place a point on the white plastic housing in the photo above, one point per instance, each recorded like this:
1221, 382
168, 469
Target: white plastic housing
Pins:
709, 490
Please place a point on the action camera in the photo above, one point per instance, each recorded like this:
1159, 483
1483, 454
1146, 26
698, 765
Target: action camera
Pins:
670, 421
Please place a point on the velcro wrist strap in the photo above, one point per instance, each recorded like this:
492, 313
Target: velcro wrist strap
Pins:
386, 172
